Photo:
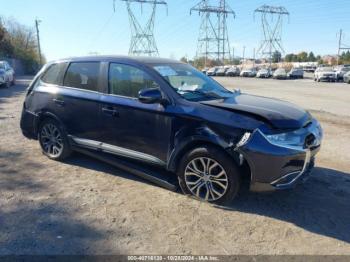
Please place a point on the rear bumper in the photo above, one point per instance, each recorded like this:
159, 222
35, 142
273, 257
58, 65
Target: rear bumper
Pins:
327, 78
28, 124
275, 167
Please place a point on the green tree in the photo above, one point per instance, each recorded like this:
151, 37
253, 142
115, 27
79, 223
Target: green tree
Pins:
302, 57
311, 57
21, 41
290, 58
6, 49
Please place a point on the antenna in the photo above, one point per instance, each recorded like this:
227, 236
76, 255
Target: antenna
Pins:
142, 37
271, 22
213, 41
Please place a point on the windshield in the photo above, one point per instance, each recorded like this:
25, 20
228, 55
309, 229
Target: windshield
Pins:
2, 66
190, 83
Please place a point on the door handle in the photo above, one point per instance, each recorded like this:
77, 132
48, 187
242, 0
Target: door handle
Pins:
110, 111
59, 102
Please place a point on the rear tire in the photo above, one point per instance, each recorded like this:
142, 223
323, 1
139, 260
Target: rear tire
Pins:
53, 140
209, 174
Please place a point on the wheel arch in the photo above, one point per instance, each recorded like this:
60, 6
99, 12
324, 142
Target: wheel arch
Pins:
192, 143
42, 116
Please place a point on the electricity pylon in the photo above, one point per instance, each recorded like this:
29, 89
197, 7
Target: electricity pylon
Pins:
142, 37
271, 22
213, 41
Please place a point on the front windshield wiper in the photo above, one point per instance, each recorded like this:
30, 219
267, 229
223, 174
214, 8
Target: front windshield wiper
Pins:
206, 94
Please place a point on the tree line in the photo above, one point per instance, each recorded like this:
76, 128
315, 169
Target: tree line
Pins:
344, 58
18, 41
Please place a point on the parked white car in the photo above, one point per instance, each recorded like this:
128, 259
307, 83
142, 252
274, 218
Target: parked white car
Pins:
264, 73
280, 73
251, 72
325, 74
7, 74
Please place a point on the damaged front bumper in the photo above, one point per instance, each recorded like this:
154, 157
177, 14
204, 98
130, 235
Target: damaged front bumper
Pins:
276, 167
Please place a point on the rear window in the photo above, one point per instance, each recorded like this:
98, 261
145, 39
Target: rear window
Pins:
83, 75
54, 74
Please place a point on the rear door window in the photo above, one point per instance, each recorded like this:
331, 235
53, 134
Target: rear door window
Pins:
54, 74
83, 75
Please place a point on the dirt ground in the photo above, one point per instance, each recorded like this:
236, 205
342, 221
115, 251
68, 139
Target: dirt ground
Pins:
83, 206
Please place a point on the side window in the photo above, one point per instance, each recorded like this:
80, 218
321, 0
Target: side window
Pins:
54, 74
83, 75
125, 80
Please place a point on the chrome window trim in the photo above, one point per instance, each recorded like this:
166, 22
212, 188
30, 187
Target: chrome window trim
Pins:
119, 151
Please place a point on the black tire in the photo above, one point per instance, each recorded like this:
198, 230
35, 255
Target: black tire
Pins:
224, 161
64, 150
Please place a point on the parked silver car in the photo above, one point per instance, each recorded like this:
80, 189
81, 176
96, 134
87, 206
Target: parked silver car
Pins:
212, 71
264, 73
340, 71
221, 71
280, 73
325, 74
7, 74
233, 71
251, 72
296, 73
346, 78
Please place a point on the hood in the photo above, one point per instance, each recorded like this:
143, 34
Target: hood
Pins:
279, 114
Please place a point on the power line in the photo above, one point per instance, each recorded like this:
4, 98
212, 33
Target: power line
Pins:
37, 22
271, 22
213, 41
142, 37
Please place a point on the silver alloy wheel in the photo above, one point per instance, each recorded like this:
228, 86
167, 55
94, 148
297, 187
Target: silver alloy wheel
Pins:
206, 179
51, 140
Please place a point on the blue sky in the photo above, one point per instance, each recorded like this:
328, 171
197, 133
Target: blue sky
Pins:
78, 27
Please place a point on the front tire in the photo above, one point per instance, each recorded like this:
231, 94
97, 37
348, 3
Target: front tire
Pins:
53, 140
209, 174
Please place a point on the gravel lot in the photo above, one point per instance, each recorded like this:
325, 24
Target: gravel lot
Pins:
83, 206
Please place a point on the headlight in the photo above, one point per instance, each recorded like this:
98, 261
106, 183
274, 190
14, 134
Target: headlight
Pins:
294, 138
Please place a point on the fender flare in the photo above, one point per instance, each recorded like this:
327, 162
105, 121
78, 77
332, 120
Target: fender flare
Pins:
191, 142
41, 116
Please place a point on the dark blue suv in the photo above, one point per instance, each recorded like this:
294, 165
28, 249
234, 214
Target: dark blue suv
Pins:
164, 114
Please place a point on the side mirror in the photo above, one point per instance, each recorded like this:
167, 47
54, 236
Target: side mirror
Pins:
150, 96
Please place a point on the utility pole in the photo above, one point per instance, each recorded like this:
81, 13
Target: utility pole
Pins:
213, 41
37, 22
142, 37
341, 45
233, 54
271, 23
243, 55
254, 57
